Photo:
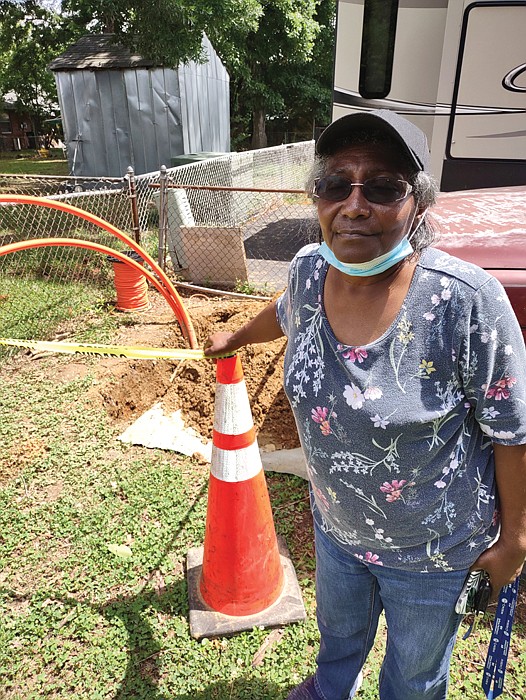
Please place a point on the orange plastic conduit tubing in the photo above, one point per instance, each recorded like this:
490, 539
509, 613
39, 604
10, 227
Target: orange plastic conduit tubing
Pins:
90, 245
181, 314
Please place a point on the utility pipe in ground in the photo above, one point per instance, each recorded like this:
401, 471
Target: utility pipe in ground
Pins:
181, 315
90, 245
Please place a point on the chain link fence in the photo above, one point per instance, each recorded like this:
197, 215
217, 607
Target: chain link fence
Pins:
108, 198
228, 223
236, 221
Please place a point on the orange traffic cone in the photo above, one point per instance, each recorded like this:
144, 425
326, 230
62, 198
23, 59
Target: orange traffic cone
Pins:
243, 576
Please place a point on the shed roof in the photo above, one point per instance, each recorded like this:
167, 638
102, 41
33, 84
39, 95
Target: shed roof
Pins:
98, 52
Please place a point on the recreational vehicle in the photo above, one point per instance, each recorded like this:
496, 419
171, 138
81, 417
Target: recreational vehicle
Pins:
455, 68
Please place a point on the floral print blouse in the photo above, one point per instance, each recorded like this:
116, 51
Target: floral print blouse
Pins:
398, 434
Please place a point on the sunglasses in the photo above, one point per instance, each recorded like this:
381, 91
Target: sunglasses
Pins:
377, 190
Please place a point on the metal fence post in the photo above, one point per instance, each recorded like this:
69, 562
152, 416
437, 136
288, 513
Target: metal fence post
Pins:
163, 218
133, 199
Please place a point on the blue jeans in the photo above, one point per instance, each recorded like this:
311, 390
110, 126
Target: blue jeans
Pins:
421, 625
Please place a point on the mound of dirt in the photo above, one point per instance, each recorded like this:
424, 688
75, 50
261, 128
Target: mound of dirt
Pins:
128, 388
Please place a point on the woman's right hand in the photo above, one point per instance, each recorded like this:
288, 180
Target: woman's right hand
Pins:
220, 344
261, 329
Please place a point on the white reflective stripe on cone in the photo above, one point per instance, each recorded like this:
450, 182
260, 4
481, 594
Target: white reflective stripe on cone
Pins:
232, 414
236, 465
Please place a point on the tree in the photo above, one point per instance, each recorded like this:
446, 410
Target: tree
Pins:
284, 68
30, 36
166, 31
311, 95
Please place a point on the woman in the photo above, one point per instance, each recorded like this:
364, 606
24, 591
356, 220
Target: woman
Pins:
405, 372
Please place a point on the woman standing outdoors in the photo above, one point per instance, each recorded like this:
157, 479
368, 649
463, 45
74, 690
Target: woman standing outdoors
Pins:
405, 369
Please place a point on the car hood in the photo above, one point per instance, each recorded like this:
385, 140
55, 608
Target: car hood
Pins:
486, 227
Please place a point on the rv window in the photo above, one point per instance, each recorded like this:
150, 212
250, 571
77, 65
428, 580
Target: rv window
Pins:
378, 40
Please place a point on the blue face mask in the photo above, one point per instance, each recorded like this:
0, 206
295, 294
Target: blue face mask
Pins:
371, 267
376, 265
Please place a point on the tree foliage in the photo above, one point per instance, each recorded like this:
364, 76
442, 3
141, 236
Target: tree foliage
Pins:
278, 52
30, 36
285, 71
167, 31
269, 65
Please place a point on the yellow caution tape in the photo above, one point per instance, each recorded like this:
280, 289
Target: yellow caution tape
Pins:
134, 353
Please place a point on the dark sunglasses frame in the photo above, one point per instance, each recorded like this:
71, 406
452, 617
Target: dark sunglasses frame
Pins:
347, 186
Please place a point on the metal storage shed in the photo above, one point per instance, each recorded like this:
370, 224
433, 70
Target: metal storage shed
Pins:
120, 109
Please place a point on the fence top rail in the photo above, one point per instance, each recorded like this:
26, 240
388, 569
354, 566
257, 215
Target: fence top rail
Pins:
218, 188
66, 178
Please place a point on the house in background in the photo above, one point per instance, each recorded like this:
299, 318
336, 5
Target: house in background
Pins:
16, 126
120, 109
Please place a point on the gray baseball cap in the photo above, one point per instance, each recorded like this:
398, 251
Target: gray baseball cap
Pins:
410, 137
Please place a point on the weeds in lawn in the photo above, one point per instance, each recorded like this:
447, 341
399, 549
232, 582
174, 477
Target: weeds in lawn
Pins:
38, 309
249, 288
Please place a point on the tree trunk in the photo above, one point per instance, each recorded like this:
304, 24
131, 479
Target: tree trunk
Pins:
109, 24
259, 135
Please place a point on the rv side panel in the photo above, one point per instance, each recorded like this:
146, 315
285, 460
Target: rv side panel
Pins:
459, 73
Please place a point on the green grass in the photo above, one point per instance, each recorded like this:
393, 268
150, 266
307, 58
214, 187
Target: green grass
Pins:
36, 309
30, 163
45, 291
79, 621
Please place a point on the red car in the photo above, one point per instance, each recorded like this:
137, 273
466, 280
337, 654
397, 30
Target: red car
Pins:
488, 227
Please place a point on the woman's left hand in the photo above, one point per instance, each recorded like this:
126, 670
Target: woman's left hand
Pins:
503, 564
